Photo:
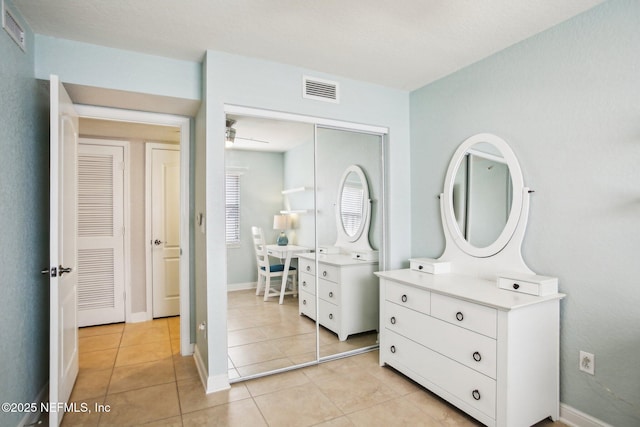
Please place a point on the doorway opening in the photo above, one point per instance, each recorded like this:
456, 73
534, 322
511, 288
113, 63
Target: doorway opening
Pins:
140, 129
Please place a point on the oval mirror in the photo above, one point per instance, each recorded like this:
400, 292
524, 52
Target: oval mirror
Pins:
483, 195
353, 203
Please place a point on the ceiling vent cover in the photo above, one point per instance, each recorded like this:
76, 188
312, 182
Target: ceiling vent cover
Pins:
320, 89
12, 27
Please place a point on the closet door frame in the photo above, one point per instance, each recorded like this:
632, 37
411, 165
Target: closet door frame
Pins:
334, 124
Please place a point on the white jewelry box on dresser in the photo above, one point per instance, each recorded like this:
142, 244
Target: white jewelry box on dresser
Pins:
476, 326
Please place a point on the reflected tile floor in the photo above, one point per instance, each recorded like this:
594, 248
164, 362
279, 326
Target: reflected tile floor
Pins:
155, 386
266, 335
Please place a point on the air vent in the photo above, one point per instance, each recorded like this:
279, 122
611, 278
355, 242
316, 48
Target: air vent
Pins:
12, 27
320, 89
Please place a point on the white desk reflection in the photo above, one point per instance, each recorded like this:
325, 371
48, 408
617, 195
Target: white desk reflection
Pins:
286, 253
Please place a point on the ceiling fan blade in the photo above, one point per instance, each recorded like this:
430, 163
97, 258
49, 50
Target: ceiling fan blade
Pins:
251, 140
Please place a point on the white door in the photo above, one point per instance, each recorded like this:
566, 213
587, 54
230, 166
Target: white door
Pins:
63, 344
165, 228
100, 234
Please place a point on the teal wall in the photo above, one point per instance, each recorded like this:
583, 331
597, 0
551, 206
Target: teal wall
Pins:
567, 102
24, 221
92, 65
299, 172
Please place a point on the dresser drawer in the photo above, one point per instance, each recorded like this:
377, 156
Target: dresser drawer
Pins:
429, 265
307, 282
474, 317
329, 291
307, 265
528, 284
329, 272
473, 350
465, 384
307, 304
329, 315
407, 296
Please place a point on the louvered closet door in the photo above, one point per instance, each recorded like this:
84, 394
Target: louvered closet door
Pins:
100, 234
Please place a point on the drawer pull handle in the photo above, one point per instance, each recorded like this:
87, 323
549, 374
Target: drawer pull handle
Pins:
404, 298
304, 283
330, 294
475, 394
324, 273
420, 267
304, 302
516, 286
308, 268
392, 349
477, 357
393, 320
330, 315
459, 316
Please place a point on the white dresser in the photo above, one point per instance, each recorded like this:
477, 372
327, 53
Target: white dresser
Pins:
347, 292
491, 352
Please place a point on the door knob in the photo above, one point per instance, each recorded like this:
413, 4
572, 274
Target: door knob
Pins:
62, 270
157, 242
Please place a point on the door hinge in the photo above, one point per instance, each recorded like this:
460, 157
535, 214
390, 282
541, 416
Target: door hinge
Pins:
53, 272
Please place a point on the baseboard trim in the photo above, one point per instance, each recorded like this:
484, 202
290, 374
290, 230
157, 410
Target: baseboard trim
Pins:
140, 316
241, 286
31, 418
202, 370
218, 383
575, 418
211, 384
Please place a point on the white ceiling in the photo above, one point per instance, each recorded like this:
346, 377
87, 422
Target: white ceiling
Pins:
403, 44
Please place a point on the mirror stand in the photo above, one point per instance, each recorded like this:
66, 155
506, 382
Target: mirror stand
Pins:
503, 254
508, 259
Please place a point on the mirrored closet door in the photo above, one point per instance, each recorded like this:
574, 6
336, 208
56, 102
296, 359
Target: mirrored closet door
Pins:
295, 190
350, 229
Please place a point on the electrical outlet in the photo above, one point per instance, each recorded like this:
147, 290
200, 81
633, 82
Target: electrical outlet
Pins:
587, 362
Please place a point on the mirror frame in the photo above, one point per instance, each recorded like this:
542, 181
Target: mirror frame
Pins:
450, 223
343, 236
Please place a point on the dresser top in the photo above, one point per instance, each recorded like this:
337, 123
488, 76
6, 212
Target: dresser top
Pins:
480, 291
337, 259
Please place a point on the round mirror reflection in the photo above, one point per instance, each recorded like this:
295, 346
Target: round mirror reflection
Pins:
352, 204
482, 195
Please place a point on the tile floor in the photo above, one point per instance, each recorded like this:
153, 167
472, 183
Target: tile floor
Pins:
136, 369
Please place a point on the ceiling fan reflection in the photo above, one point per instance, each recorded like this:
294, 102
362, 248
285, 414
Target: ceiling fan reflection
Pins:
230, 134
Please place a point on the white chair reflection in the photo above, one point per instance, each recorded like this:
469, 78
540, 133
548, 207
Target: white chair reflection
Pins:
266, 270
